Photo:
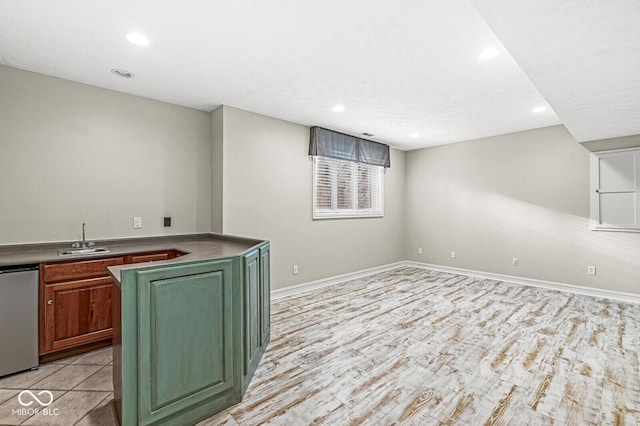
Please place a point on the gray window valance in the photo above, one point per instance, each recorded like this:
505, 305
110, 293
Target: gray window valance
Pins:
327, 143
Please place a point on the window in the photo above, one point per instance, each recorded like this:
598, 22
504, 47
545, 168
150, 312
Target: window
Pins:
615, 205
348, 174
347, 189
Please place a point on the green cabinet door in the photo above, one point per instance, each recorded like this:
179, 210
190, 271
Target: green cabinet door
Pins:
252, 312
265, 295
256, 310
185, 339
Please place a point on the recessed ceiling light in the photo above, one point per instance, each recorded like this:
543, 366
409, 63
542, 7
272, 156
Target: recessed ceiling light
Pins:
122, 73
137, 38
338, 108
489, 53
539, 109
415, 135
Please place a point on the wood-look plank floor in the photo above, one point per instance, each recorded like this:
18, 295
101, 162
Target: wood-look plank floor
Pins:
419, 347
412, 347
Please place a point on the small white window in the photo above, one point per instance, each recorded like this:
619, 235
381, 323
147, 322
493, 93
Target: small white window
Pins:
347, 189
615, 205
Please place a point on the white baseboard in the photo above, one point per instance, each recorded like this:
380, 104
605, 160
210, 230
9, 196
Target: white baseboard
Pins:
326, 282
531, 282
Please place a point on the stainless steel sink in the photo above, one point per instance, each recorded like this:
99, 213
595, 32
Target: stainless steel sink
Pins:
93, 250
84, 248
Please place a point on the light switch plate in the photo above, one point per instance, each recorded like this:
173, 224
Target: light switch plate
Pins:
137, 222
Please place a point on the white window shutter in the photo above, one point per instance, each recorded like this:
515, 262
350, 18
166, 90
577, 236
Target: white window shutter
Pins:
347, 189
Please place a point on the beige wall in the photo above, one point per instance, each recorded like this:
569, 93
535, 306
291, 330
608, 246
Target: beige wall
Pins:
267, 194
71, 153
217, 140
522, 195
613, 143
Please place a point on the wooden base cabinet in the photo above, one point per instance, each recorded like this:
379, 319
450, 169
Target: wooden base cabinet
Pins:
75, 303
180, 336
77, 312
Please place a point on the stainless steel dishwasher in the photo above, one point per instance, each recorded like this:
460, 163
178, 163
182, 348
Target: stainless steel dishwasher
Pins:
18, 318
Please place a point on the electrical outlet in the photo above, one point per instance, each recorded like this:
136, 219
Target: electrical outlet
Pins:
515, 261
295, 269
419, 250
591, 270
137, 222
453, 254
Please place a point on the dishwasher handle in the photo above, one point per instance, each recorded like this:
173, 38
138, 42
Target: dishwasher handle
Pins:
17, 268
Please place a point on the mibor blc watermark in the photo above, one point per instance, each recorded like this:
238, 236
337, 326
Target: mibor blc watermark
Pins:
35, 404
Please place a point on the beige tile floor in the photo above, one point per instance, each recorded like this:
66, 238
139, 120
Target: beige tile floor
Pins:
82, 389
411, 347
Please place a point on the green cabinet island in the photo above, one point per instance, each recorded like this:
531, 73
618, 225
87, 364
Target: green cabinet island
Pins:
188, 334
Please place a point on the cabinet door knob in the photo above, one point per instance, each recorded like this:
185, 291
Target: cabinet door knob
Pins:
50, 302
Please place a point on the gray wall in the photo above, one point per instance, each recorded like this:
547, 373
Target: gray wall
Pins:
267, 194
522, 195
71, 153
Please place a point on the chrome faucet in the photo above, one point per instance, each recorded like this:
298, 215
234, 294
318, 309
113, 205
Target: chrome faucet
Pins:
84, 240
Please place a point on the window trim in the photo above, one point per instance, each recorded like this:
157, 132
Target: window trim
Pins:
346, 213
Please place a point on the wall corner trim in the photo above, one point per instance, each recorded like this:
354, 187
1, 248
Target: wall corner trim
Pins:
529, 282
326, 282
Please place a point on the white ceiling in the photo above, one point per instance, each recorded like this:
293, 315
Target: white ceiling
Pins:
398, 67
582, 55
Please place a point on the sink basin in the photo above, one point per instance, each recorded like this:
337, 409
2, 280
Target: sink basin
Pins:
94, 250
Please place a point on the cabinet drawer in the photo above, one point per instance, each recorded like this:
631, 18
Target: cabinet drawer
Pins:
83, 269
150, 257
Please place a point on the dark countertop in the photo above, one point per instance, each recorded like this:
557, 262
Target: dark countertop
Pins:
197, 247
